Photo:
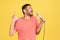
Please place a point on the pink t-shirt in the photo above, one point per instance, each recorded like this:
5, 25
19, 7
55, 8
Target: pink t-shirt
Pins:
26, 28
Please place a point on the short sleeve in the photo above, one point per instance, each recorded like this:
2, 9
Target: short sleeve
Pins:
16, 26
37, 23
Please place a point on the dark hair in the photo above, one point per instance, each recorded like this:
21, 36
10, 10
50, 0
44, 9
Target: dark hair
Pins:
24, 6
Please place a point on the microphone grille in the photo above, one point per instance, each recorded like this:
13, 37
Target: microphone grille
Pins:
38, 14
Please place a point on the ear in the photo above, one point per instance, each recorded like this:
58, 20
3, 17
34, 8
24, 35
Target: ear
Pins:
24, 11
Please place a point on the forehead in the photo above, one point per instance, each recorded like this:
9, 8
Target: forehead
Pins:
28, 7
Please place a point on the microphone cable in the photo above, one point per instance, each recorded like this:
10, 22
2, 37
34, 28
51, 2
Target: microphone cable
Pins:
44, 31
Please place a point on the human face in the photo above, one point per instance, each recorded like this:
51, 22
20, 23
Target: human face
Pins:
29, 11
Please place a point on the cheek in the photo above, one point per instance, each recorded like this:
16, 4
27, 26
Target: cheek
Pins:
29, 10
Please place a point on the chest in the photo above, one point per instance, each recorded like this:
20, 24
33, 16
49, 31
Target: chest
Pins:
27, 25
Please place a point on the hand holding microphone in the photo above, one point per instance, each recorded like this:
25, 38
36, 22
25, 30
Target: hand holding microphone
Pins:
42, 19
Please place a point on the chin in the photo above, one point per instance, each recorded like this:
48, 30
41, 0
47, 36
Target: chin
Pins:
31, 15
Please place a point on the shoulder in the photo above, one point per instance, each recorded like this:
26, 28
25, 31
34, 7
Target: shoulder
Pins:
34, 17
19, 19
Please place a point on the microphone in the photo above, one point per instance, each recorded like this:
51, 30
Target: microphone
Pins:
44, 24
40, 17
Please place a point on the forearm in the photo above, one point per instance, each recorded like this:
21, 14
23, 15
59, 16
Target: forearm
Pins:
12, 31
39, 27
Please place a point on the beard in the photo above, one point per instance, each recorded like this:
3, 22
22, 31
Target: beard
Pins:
29, 14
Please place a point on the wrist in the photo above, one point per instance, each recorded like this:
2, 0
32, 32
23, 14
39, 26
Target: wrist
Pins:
41, 22
13, 21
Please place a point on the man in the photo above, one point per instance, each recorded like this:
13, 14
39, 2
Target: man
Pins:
26, 26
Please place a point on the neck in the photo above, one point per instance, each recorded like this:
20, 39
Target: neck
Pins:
26, 17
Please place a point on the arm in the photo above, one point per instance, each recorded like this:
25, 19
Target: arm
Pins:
12, 31
40, 26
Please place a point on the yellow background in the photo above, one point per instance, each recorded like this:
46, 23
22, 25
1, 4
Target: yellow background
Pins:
49, 9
